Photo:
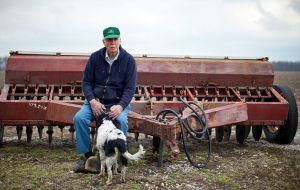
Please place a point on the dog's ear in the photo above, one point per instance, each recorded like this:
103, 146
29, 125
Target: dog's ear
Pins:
116, 123
98, 123
101, 118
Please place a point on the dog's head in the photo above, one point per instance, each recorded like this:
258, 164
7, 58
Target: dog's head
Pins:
104, 116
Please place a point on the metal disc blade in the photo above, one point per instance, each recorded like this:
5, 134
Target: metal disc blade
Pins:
227, 133
219, 134
50, 133
256, 132
240, 134
40, 131
19, 131
29, 133
1, 133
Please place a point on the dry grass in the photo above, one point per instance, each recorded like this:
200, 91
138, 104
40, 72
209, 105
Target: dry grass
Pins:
254, 165
292, 79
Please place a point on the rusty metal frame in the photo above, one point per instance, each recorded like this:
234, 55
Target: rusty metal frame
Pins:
45, 89
48, 112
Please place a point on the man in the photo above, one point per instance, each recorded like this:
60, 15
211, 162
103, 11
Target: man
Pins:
108, 85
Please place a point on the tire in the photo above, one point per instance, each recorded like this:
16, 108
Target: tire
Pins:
286, 133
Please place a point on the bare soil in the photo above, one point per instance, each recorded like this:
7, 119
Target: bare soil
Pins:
254, 165
290, 79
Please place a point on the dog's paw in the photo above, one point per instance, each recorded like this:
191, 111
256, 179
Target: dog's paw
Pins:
141, 150
108, 182
101, 173
123, 180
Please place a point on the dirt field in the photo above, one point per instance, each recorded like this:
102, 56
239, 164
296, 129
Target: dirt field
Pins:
254, 165
288, 78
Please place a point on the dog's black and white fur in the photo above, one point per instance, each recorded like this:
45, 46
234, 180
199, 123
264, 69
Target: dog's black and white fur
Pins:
112, 146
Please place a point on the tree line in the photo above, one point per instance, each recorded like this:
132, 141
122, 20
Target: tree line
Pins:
277, 65
3, 61
286, 65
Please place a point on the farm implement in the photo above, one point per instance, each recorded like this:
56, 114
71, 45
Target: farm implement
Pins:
43, 90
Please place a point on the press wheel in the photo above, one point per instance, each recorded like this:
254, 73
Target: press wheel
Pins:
286, 133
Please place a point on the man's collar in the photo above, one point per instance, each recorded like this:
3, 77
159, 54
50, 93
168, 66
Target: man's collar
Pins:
113, 59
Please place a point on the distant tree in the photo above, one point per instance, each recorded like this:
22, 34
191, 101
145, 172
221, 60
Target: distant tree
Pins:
3, 61
286, 65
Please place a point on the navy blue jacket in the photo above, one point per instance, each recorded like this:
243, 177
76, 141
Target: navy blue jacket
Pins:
113, 84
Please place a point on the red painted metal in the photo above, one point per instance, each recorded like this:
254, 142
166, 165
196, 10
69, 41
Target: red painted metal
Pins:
214, 82
196, 72
63, 111
227, 115
46, 90
59, 113
59, 69
41, 69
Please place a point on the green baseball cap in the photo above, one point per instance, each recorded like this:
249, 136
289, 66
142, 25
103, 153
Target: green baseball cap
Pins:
111, 32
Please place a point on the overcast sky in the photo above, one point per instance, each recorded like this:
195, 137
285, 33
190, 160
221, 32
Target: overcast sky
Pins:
237, 28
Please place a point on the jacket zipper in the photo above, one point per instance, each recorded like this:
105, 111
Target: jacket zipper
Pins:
108, 74
104, 91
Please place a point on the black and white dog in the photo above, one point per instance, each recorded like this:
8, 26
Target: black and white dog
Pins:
112, 146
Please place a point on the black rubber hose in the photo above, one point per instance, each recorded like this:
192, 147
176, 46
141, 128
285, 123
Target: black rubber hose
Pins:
193, 133
203, 123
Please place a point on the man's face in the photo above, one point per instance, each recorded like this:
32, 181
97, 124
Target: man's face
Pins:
112, 45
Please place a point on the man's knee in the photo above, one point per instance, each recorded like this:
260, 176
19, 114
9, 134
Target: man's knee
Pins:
122, 119
123, 124
77, 118
80, 120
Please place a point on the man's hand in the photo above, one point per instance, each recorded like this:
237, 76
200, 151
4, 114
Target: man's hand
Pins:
115, 111
97, 107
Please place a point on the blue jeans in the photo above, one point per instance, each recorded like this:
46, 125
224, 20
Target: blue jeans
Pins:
82, 120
